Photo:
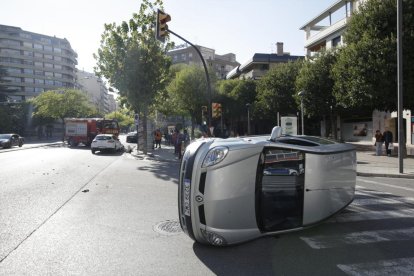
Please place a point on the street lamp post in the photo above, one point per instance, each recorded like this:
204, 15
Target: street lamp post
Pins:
248, 118
300, 94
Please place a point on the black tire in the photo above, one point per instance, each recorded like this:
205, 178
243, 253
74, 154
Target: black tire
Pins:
20, 144
93, 151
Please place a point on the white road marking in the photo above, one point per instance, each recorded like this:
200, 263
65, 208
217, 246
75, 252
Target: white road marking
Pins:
330, 241
374, 201
373, 215
386, 185
402, 266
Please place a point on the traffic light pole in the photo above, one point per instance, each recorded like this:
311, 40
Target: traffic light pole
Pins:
207, 76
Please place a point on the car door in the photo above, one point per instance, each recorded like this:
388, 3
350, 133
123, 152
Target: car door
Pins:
14, 140
280, 190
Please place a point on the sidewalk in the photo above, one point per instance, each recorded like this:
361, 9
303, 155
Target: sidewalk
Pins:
368, 164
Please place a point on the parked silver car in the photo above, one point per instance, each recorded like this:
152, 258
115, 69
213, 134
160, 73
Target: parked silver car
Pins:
238, 189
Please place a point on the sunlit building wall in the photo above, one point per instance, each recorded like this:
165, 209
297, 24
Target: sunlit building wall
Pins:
35, 62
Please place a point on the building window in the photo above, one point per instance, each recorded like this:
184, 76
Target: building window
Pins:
38, 89
39, 81
39, 73
28, 53
24, 35
57, 50
10, 51
27, 44
38, 55
38, 46
28, 71
46, 40
57, 58
48, 65
49, 57
29, 80
58, 75
13, 70
28, 62
59, 67
29, 89
336, 41
49, 82
48, 48
38, 64
9, 42
48, 74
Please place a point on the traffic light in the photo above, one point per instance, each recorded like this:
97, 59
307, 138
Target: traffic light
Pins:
216, 108
162, 27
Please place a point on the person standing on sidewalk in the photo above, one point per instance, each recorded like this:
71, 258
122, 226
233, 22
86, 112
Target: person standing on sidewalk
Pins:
157, 137
387, 139
378, 143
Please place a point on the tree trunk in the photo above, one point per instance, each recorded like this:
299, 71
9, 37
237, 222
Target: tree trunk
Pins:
144, 130
193, 119
63, 130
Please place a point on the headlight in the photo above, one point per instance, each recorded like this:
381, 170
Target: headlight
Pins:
213, 238
215, 156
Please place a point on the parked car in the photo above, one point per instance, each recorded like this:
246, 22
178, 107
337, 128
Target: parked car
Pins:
106, 142
10, 140
132, 137
238, 189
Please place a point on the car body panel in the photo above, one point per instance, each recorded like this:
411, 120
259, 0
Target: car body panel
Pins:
234, 200
329, 184
105, 142
10, 140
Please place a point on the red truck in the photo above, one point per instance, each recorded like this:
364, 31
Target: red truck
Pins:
84, 130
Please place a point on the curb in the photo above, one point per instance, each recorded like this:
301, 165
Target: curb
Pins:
406, 176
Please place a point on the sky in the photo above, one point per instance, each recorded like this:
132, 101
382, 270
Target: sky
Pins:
242, 27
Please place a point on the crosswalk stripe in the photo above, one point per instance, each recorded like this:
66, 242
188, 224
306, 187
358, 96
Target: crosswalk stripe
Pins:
402, 266
374, 201
364, 237
372, 215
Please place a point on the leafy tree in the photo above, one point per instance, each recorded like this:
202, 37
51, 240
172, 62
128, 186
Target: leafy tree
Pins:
124, 116
133, 61
61, 104
366, 71
187, 93
316, 81
276, 90
234, 95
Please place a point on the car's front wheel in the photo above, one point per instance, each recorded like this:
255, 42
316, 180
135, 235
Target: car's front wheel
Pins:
93, 151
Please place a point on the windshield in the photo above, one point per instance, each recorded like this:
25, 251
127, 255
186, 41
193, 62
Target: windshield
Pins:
5, 136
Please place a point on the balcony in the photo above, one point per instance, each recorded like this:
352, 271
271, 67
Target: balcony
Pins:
323, 34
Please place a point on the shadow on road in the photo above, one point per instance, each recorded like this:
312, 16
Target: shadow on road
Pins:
164, 170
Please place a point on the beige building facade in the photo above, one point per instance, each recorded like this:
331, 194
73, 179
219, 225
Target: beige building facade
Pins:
35, 63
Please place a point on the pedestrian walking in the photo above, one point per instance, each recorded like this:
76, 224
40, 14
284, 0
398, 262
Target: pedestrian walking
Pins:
157, 138
174, 141
388, 139
378, 142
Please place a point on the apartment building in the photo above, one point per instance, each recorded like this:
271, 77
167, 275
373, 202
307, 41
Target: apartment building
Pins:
95, 89
35, 63
221, 64
256, 67
326, 30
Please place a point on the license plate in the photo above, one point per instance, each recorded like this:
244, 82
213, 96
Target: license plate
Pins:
186, 196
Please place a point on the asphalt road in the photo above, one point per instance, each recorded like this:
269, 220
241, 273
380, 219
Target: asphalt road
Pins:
67, 212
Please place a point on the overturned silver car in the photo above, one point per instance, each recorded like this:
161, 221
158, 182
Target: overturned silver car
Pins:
238, 189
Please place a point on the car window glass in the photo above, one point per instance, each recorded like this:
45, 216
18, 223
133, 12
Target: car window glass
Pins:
298, 142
